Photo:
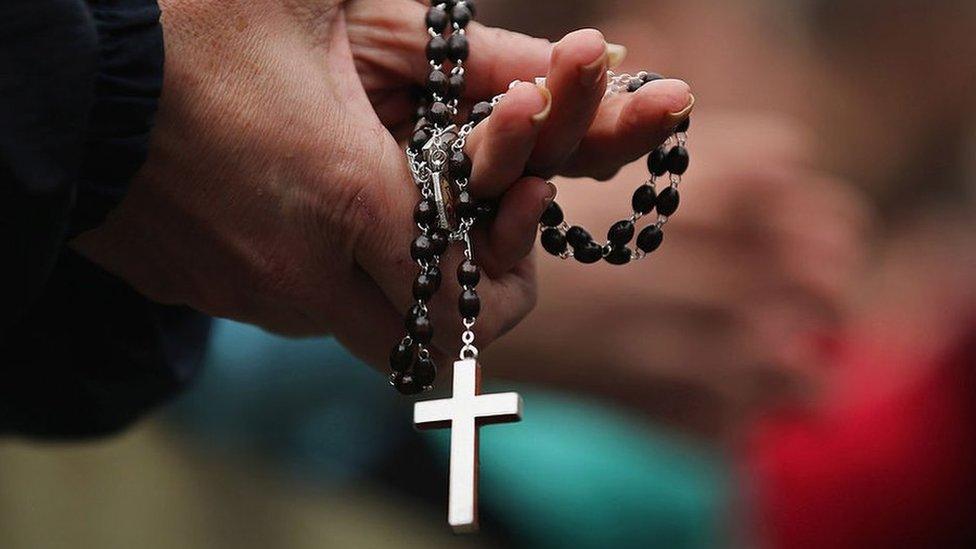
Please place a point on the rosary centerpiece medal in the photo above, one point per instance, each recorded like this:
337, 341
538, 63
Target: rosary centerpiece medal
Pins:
445, 214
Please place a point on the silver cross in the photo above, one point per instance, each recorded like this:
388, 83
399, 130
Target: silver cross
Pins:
464, 413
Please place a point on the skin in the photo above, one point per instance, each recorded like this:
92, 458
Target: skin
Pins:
276, 192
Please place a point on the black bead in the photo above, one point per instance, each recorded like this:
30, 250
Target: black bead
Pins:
401, 357
683, 126
405, 383
553, 241
621, 232
459, 164
553, 215
678, 160
419, 326
644, 199
438, 113
650, 238
469, 304
422, 249
438, 241
652, 76
578, 237
422, 124
419, 139
424, 371
461, 15
657, 162
436, 83
436, 19
424, 287
421, 112
634, 85
619, 255
434, 272
471, 7
457, 47
667, 201
465, 205
426, 212
468, 273
455, 86
484, 211
480, 111
591, 252
437, 49
448, 4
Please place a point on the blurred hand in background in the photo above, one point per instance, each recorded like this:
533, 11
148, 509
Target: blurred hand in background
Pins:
724, 317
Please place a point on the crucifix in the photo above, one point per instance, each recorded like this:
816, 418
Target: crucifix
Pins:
464, 413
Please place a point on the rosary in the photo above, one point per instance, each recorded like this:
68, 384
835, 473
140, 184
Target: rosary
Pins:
446, 213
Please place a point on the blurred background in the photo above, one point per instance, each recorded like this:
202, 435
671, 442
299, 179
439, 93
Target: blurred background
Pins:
795, 368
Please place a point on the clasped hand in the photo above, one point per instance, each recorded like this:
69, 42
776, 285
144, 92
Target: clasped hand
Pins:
276, 191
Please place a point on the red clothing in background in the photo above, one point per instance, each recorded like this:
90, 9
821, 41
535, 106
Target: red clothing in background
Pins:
876, 468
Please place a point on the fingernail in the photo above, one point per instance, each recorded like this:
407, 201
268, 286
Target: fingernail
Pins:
543, 115
680, 116
551, 195
615, 55
592, 74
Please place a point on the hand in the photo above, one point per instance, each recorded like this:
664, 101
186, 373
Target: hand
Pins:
275, 191
762, 254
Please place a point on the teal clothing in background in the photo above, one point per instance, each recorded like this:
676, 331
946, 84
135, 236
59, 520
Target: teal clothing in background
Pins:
572, 474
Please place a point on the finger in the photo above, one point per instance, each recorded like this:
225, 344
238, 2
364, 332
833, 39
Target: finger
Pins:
511, 236
391, 34
500, 146
628, 126
577, 80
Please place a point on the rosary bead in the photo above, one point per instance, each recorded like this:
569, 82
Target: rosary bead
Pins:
424, 286
578, 237
457, 47
480, 111
667, 201
652, 76
426, 212
422, 249
419, 139
401, 357
419, 326
619, 255
683, 126
465, 205
635, 85
461, 15
469, 304
657, 162
436, 19
459, 164
439, 113
437, 83
553, 241
455, 86
437, 49
439, 240
424, 371
590, 252
421, 111
405, 383
468, 273
484, 211
678, 160
471, 7
621, 232
448, 4
650, 238
434, 272
553, 215
644, 199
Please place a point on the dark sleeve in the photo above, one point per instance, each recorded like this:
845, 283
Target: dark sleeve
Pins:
81, 352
